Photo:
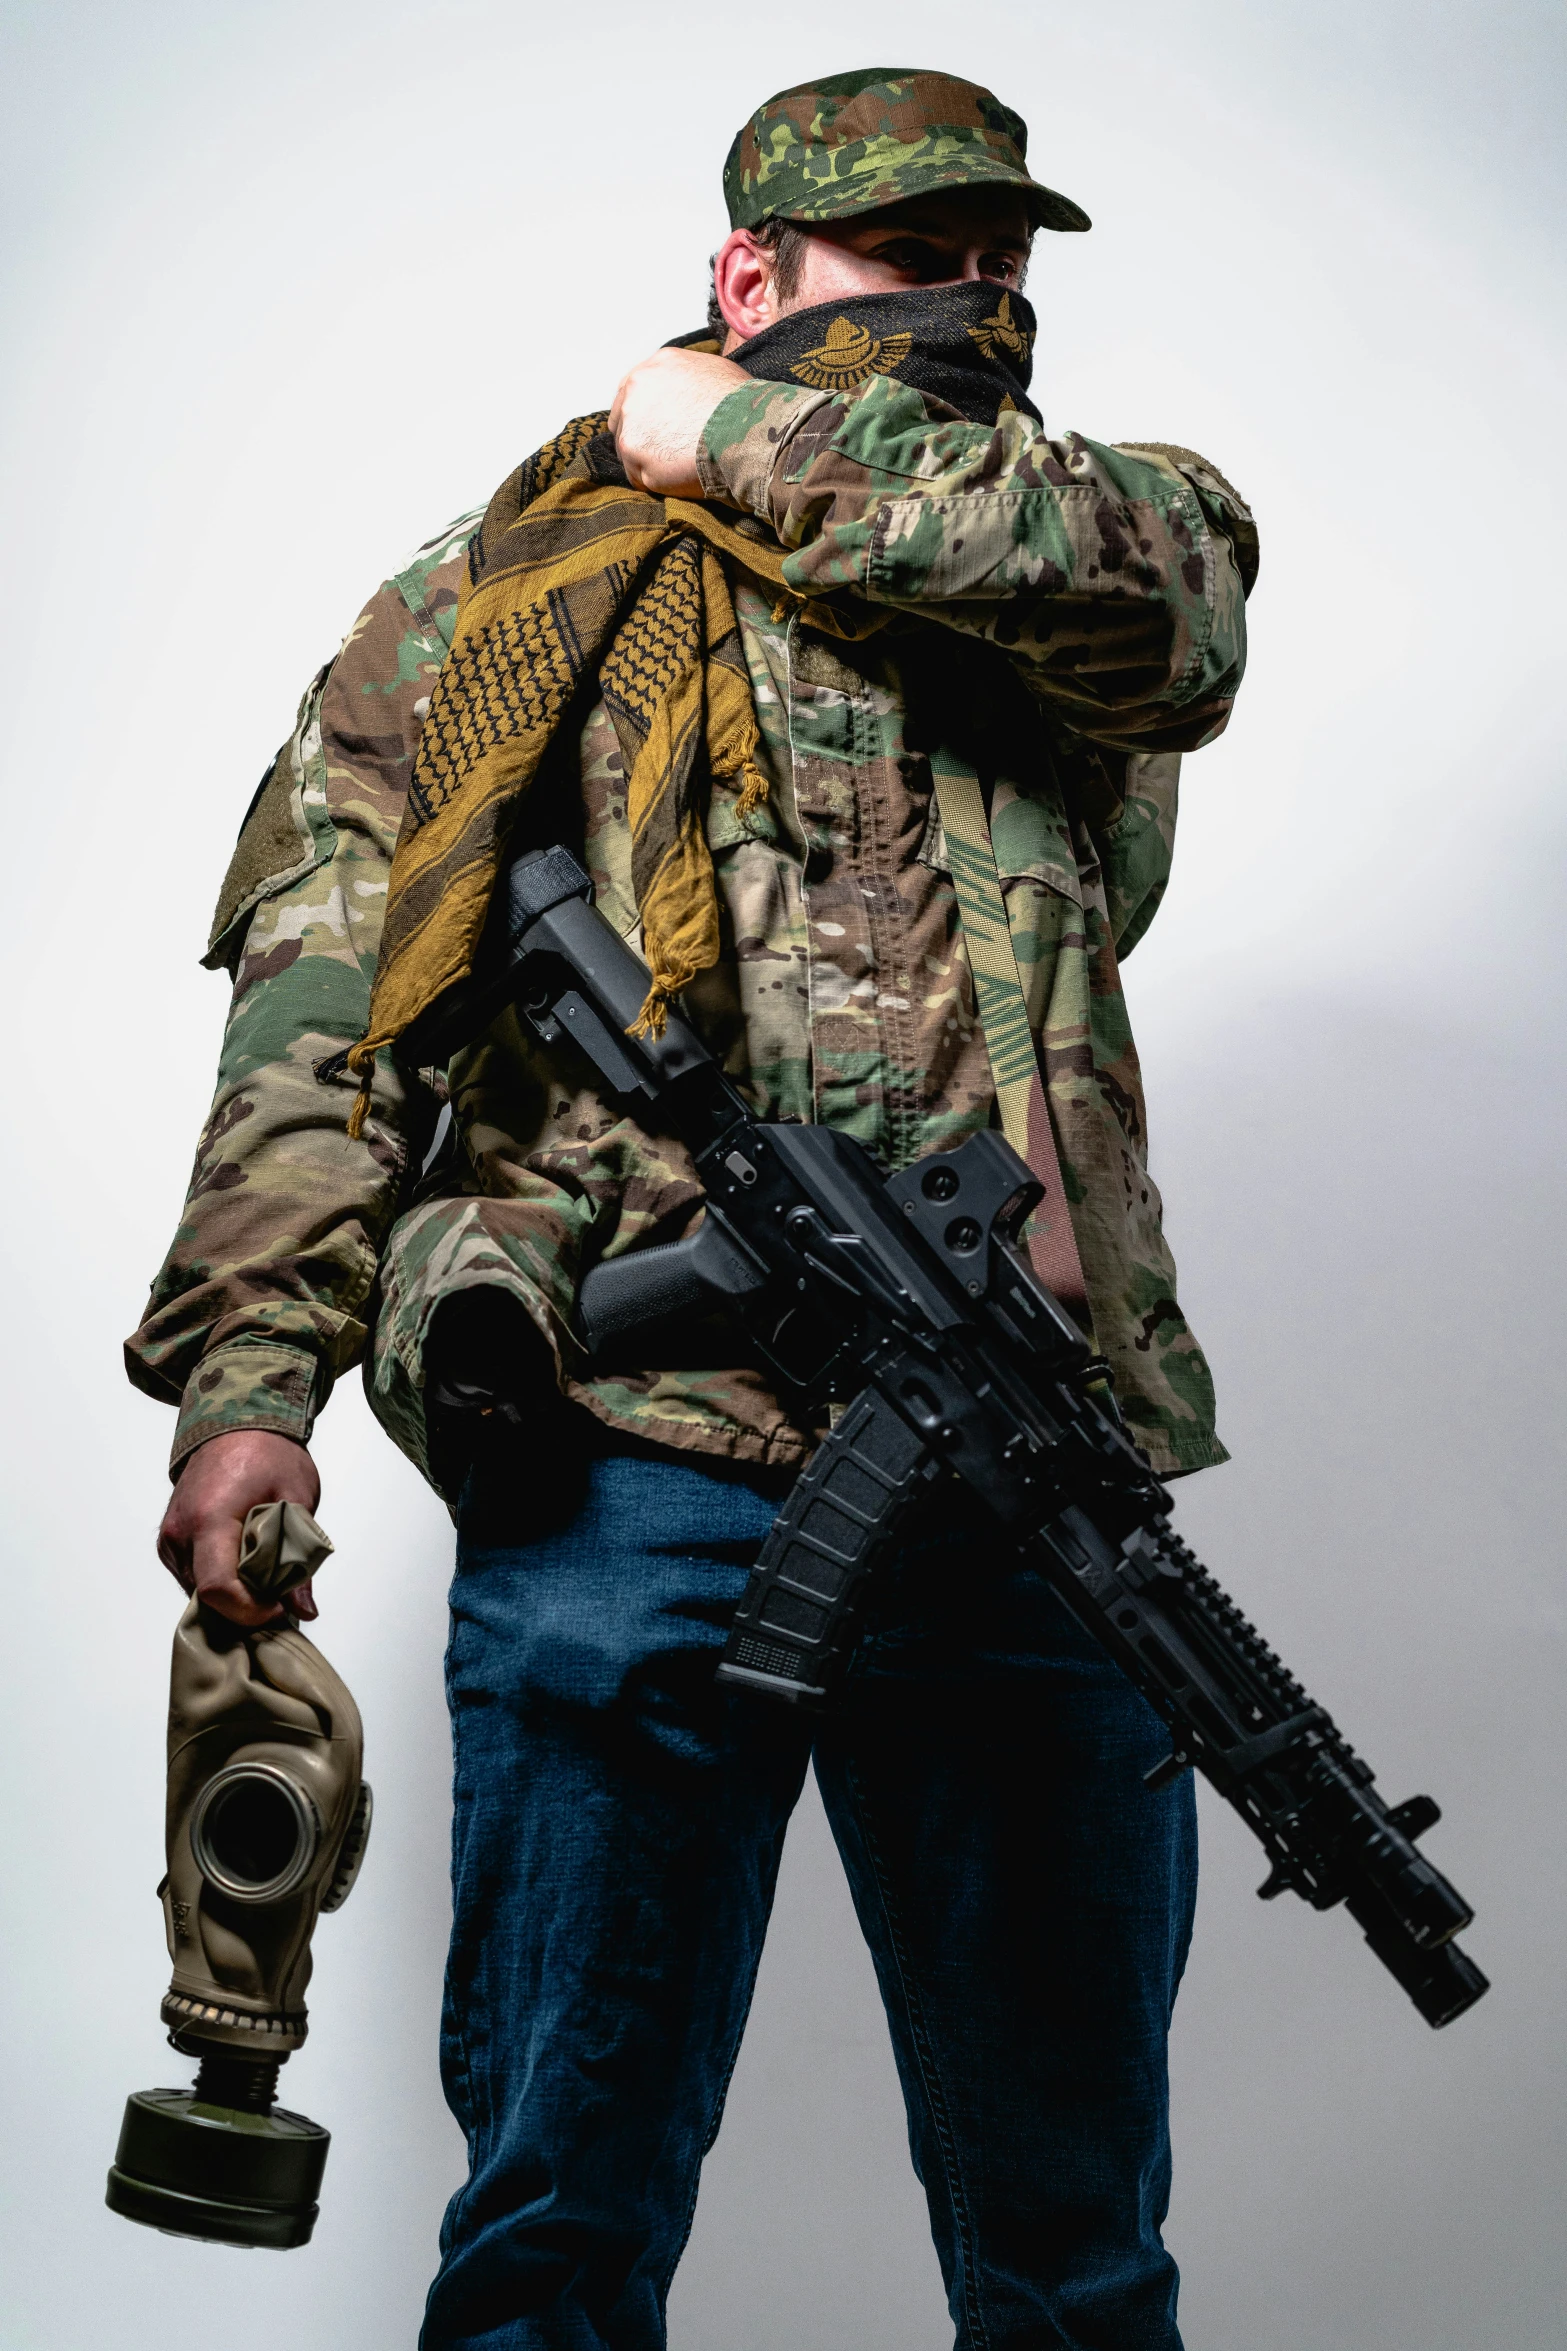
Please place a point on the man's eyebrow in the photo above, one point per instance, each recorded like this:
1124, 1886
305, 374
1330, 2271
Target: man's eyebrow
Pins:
921, 225
927, 224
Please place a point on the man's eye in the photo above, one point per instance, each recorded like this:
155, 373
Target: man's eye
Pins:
911, 256
999, 265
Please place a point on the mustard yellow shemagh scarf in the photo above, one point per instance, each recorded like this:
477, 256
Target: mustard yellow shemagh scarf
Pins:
574, 578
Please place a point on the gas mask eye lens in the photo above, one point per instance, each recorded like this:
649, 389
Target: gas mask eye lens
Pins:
254, 1833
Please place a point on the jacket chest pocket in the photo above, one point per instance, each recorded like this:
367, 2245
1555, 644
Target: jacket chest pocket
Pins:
1030, 836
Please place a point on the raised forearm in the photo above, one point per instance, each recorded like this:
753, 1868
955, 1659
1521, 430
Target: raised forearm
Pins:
1103, 572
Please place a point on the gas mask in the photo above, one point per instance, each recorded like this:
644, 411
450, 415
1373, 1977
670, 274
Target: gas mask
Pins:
266, 1827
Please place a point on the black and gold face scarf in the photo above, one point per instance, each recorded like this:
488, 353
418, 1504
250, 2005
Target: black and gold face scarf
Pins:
969, 344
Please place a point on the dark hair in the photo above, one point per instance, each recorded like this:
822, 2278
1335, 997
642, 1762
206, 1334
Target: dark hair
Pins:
786, 241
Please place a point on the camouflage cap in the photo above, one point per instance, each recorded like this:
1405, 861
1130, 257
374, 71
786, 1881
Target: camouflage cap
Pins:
856, 141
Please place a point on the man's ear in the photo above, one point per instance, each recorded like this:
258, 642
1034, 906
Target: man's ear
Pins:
743, 283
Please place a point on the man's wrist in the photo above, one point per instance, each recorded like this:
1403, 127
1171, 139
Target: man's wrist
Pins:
249, 1384
745, 436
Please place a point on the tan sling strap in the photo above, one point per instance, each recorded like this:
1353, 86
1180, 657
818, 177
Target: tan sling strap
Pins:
1009, 1040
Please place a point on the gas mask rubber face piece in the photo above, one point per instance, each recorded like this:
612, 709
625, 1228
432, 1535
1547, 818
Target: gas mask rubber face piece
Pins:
267, 1817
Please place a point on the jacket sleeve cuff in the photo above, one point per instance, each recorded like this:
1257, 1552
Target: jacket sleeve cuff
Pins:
249, 1384
744, 438
446, 1245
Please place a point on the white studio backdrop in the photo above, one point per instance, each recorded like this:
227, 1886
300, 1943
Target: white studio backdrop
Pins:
288, 287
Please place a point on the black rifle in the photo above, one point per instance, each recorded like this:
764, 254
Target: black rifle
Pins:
907, 1305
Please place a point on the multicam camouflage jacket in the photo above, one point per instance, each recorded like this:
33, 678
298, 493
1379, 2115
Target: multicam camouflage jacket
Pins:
1064, 617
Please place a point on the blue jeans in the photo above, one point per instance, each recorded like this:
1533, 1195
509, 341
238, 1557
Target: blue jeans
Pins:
619, 1820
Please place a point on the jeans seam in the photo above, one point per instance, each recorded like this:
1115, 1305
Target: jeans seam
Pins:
946, 2137
459, 2008
715, 2118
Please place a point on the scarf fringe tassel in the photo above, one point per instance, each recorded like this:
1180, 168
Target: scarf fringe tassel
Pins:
361, 1060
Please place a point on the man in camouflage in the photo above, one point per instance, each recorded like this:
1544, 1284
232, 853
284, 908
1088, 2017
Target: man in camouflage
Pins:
618, 1818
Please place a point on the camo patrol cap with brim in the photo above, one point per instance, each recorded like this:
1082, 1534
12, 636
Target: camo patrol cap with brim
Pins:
857, 141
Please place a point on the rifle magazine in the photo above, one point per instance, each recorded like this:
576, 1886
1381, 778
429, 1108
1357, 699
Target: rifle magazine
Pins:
796, 1624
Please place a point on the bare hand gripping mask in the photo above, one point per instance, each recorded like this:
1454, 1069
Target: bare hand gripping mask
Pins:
266, 1827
